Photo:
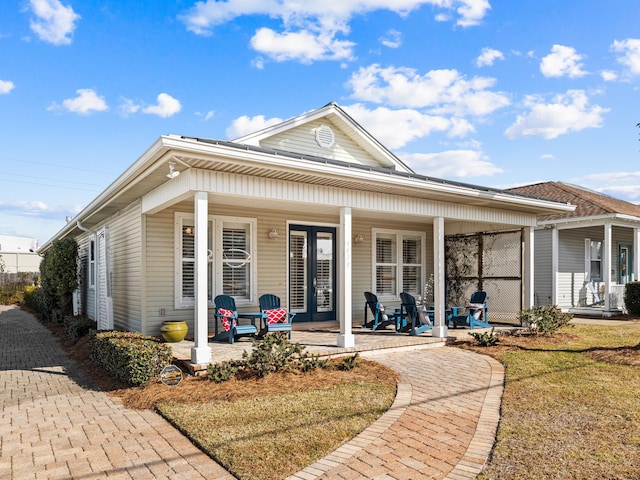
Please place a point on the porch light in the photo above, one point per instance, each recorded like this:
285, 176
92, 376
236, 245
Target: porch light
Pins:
359, 239
273, 234
173, 173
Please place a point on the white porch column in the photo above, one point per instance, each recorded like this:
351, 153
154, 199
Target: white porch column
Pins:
529, 281
606, 265
439, 328
555, 264
345, 337
636, 254
201, 351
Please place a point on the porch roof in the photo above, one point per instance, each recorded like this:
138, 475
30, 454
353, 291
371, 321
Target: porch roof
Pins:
149, 172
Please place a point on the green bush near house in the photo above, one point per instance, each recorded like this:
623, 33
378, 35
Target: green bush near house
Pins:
130, 357
545, 319
632, 297
34, 299
76, 327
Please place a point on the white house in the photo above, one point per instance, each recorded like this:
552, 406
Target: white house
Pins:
314, 210
18, 254
584, 258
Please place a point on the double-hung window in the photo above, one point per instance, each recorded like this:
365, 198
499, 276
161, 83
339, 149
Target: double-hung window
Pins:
398, 263
92, 263
231, 265
593, 253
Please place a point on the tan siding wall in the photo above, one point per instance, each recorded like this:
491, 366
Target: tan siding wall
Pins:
302, 140
125, 257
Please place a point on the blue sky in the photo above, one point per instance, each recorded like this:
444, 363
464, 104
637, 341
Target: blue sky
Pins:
490, 92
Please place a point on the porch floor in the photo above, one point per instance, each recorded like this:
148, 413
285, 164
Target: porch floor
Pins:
322, 340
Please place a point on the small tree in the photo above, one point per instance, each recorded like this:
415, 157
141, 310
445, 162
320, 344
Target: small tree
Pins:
58, 272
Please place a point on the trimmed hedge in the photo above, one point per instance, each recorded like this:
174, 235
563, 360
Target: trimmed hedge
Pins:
34, 299
632, 297
76, 327
130, 357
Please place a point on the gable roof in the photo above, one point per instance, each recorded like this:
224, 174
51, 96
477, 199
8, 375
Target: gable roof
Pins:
333, 114
589, 204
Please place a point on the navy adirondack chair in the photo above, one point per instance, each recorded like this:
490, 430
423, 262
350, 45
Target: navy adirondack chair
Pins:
380, 317
415, 322
474, 314
227, 316
277, 318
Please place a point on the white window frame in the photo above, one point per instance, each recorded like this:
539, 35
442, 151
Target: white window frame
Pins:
587, 260
92, 263
215, 225
399, 234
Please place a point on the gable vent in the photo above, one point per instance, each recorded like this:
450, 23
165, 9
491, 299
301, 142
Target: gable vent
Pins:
324, 136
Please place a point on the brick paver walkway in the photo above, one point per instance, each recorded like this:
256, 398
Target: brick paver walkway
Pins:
55, 426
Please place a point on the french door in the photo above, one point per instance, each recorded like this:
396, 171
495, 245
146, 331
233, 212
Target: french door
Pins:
312, 272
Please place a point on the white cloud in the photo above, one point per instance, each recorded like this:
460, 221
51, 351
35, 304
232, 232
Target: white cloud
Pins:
167, 106
562, 61
304, 46
396, 128
630, 54
128, 107
488, 57
245, 125
608, 75
569, 112
392, 39
452, 164
87, 101
36, 209
6, 86
444, 91
622, 185
315, 22
53, 23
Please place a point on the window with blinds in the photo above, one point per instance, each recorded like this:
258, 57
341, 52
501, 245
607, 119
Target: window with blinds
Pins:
92, 263
398, 259
298, 271
230, 270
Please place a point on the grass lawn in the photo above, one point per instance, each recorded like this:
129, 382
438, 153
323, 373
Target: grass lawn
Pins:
568, 410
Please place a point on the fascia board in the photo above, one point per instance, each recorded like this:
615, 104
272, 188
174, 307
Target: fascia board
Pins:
330, 170
596, 220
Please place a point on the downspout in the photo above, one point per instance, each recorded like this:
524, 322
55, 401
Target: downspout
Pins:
95, 296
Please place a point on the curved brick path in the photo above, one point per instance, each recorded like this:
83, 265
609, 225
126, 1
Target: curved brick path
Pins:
53, 425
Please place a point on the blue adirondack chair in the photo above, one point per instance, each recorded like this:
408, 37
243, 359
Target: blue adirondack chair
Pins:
412, 320
226, 316
276, 318
474, 314
381, 318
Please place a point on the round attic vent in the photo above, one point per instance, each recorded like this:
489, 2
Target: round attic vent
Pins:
324, 136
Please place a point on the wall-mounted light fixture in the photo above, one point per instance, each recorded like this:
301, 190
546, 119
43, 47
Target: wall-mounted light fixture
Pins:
359, 239
273, 234
173, 173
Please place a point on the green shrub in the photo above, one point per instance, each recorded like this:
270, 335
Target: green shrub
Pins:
485, 339
273, 353
59, 278
130, 357
34, 298
76, 327
223, 371
349, 363
632, 297
545, 319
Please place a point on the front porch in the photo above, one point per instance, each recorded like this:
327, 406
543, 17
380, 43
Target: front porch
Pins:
321, 340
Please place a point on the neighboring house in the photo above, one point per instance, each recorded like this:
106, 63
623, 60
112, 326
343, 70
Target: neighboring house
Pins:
584, 258
314, 210
18, 254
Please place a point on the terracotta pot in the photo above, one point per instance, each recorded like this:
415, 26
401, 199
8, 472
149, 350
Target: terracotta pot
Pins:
174, 331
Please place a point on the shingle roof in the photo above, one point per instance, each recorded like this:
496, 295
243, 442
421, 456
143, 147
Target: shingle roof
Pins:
588, 203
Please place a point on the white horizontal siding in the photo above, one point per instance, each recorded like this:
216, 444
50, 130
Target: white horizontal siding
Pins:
303, 140
542, 270
125, 257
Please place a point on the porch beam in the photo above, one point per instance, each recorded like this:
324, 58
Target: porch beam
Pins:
606, 266
201, 351
636, 254
528, 238
346, 338
440, 329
